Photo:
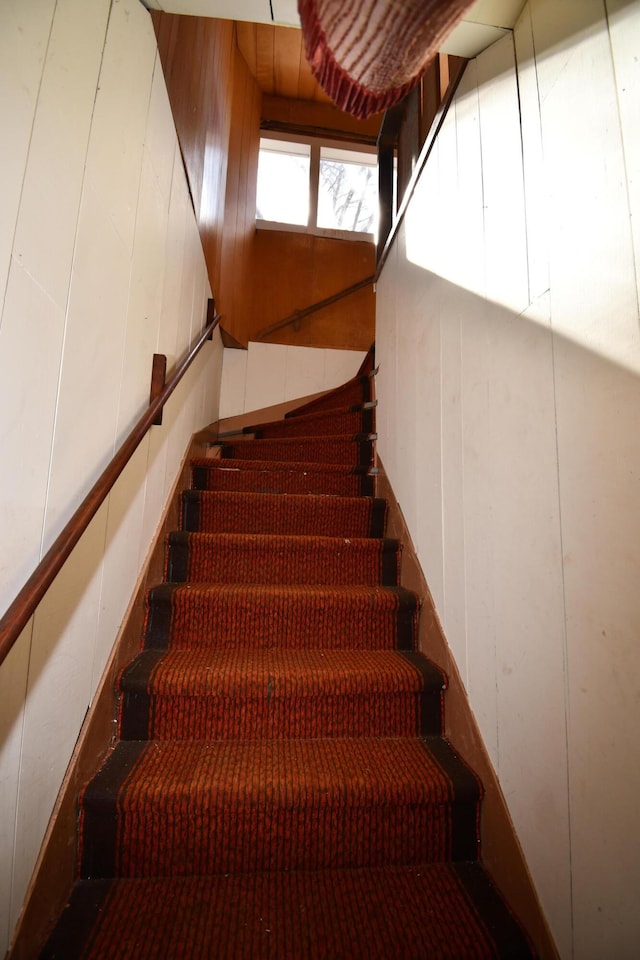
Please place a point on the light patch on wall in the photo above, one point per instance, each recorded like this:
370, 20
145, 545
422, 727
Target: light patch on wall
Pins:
480, 238
452, 247
214, 159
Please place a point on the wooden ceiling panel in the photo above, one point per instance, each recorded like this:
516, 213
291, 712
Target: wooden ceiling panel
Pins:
275, 56
286, 65
265, 58
308, 86
246, 38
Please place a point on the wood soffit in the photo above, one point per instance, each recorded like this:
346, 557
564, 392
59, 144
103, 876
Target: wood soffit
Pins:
275, 57
292, 100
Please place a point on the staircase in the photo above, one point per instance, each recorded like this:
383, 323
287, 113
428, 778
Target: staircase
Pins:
280, 787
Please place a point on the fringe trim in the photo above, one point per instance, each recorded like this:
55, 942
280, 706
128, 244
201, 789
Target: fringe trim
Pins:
351, 95
347, 94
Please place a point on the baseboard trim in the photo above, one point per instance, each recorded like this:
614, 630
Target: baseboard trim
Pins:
501, 853
55, 869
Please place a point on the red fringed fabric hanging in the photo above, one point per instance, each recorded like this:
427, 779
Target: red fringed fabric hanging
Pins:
367, 54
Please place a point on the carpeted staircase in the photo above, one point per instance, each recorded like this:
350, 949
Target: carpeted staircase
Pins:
280, 787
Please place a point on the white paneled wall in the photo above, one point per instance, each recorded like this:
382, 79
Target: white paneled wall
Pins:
508, 337
100, 266
270, 373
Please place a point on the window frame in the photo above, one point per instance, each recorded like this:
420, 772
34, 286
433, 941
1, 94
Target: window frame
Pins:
315, 145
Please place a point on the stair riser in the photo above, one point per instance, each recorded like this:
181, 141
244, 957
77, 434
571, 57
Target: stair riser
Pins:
263, 481
340, 423
145, 717
282, 516
191, 841
320, 450
355, 391
430, 910
305, 622
282, 562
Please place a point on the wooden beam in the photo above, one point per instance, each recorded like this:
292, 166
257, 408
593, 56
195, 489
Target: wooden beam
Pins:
307, 113
322, 133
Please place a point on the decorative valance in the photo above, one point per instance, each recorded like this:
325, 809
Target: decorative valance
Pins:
367, 54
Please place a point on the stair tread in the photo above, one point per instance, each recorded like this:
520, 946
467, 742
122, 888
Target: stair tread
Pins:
441, 911
169, 808
290, 774
205, 694
279, 673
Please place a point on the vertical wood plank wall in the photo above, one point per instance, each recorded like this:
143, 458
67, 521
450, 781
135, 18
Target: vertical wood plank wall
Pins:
508, 340
257, 277
293, 270
197, 56
275, 54
240, 203
100, 267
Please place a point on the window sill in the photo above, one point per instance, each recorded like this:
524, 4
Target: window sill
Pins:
315, 231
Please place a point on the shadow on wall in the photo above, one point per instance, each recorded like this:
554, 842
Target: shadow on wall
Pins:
70, 606
514, 452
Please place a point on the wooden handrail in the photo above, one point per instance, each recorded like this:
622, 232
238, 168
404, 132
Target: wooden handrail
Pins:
314, 307
22, 608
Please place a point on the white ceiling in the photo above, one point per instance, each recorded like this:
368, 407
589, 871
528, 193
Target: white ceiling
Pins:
483, 24
285, 12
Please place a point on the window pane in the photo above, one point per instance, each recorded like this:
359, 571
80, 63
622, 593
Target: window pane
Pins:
348, 191
283, 182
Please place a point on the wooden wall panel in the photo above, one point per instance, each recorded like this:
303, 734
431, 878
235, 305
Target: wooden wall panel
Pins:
197, 59
240, 205
290, 271
259, 277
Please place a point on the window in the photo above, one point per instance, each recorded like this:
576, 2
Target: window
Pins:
347, 191
283, 182
319, 188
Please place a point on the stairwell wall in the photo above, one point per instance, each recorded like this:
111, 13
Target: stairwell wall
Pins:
271, 373
101, 265
508, 338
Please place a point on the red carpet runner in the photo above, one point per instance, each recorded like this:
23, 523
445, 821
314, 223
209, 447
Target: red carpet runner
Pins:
280, 787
